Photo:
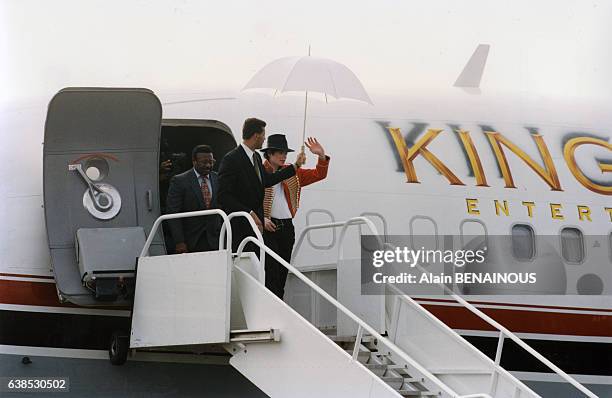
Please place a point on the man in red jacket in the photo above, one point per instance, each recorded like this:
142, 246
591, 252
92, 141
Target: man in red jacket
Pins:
281, 202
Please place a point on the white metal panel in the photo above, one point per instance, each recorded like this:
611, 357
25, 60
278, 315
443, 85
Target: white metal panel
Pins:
370, 308
310, 304
423, 339
181, 299
305, 363
443, 352
324, 313
298, 296
237, 321
249, 262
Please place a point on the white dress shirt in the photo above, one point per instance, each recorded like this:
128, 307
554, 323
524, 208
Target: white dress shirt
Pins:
280, 207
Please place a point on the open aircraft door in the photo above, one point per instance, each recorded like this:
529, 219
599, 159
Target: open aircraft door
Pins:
101, 196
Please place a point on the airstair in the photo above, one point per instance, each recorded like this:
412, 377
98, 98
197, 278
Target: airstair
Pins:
200, 299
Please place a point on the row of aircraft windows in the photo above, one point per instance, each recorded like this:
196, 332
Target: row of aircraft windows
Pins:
523, 239
523, 236
572, 243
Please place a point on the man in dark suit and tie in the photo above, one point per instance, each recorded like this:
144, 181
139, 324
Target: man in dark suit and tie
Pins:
242, 179
195, 189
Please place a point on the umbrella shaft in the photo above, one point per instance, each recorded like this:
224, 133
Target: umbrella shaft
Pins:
305, 111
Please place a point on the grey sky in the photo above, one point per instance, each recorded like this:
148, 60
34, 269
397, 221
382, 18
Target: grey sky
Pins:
552, 48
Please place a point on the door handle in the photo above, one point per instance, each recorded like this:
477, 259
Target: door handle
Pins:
101, 200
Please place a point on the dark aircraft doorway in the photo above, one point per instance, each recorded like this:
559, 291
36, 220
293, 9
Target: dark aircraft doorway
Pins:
178, 138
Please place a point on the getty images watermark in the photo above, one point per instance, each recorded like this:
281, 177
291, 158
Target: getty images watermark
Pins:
491, 265
459, 258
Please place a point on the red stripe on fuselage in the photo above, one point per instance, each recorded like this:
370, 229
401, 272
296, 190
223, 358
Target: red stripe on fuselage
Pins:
516, 320
551, 307
558, 323
29, 293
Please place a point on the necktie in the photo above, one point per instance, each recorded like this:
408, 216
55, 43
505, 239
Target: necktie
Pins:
256, 165
206, 192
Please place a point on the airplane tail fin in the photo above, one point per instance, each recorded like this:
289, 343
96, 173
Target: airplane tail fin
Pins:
471, 75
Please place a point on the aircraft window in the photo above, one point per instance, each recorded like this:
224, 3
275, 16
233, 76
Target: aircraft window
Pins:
473, 231
423, 233
572, 245
321, 239
523, 242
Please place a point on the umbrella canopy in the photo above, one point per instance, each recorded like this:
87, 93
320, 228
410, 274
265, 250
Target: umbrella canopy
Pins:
310, 74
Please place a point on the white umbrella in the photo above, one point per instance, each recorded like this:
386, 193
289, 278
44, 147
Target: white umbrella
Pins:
310, 74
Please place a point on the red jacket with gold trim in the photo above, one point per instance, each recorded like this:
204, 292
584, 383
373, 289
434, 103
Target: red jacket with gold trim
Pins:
293, 186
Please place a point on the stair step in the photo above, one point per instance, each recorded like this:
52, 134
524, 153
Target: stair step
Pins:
412, 393
375, 368
396, 382
375, 358
347, 342
362, 356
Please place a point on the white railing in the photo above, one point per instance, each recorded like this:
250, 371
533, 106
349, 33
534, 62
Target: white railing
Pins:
224, 235
494, 375
504, 332
226, 232
343, 224
199, 213
429, 378
497, 369
174, 216
262, 257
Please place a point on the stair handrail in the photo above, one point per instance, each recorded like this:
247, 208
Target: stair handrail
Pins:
402, 295
262, 257
351, 221
172, 216
503, 331
224, 235
198, 213
362, 324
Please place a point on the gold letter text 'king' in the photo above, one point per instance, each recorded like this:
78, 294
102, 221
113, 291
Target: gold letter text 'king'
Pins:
568, 153
409, 154
548, 173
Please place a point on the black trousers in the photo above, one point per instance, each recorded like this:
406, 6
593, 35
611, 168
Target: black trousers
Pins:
203, 245
281, 241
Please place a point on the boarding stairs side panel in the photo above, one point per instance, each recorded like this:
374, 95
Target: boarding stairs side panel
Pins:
305, 362
447, 355
424, 338
182, 300
419, 346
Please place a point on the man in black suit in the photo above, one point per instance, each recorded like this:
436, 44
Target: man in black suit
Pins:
195, 189
242, 180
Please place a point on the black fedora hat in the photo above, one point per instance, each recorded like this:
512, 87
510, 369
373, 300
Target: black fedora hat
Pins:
277, 142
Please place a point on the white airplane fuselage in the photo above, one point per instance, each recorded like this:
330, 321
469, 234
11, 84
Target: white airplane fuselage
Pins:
472, 192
